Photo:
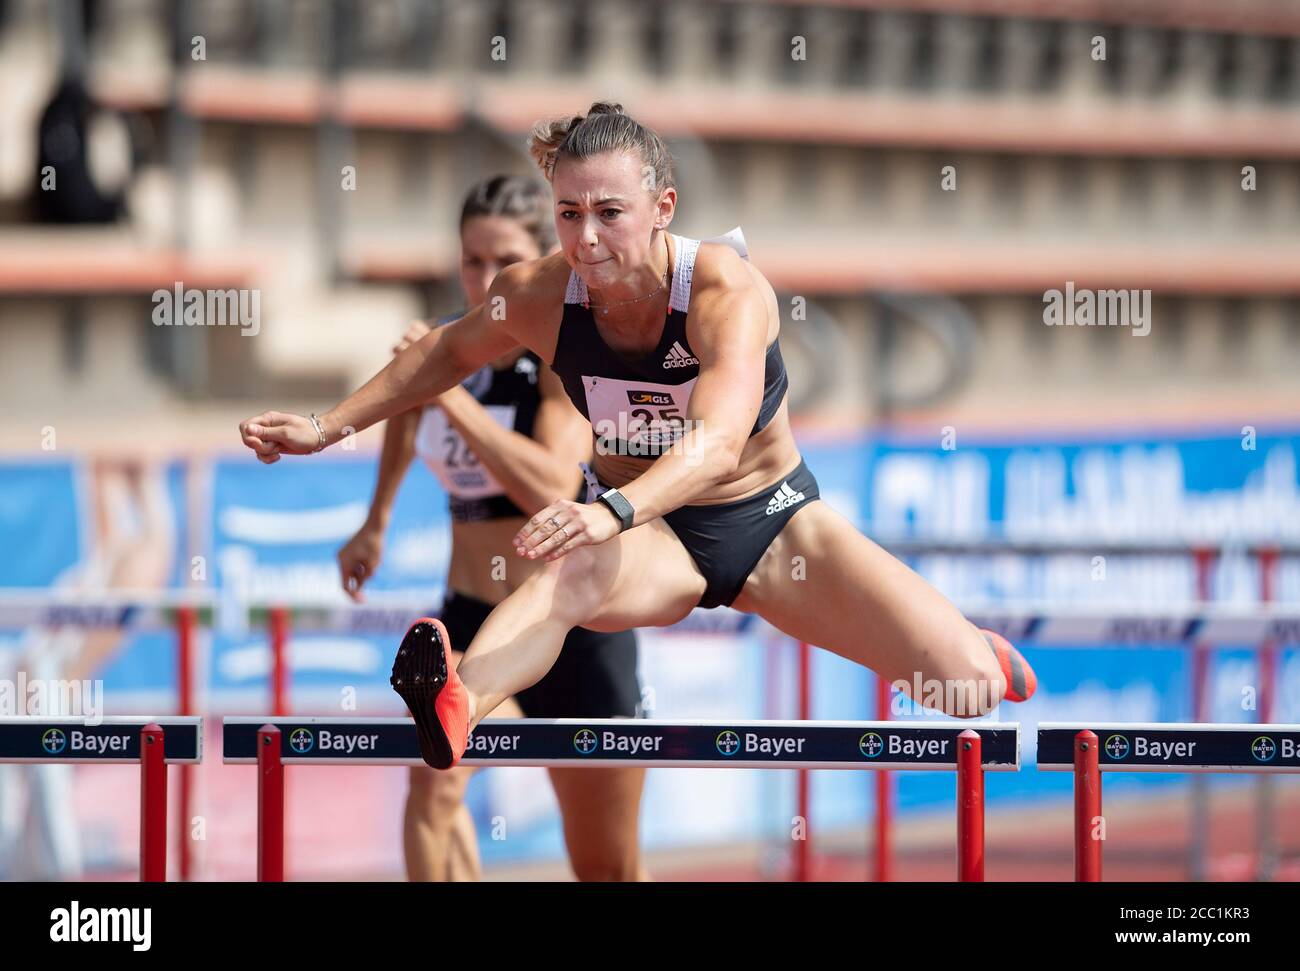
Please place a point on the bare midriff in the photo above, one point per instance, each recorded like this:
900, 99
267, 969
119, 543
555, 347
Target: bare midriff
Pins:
476, 571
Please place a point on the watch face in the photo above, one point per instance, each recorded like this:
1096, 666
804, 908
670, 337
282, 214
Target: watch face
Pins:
619, 506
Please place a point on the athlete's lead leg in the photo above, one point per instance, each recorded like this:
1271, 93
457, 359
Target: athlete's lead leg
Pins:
642, 578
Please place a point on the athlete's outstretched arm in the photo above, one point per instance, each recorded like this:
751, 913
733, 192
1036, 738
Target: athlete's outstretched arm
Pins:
533, 471
438, 361
728, 333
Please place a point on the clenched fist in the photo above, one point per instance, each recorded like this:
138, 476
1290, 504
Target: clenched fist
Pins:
274, 433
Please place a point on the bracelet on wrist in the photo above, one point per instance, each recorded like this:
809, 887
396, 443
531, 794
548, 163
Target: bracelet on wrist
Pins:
320, 431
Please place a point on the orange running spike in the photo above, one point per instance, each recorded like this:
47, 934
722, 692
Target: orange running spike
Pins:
426, 680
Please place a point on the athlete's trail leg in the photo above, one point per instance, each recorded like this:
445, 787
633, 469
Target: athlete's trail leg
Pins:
641, 578
825, 583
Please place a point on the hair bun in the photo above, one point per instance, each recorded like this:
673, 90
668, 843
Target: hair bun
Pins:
605, 128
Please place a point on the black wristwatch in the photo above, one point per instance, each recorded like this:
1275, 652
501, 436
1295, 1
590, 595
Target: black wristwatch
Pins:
620, 507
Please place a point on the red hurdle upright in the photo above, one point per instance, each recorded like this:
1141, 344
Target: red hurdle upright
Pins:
970, 808
1087, 808
270, 806
153, 805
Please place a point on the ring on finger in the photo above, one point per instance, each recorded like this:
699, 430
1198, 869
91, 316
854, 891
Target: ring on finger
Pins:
554, 524
565, 532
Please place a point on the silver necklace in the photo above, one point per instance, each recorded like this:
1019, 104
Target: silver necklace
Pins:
605, 309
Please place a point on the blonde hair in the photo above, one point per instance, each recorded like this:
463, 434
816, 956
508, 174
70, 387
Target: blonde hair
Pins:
606, 127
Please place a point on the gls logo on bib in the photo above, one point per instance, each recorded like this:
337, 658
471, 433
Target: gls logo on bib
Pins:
649, 398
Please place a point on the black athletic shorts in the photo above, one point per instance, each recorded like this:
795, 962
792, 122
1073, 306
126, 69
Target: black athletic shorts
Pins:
727, 541
594, 676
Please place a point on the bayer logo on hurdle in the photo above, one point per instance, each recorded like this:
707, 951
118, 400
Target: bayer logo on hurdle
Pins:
1117, 747
871, 745
301, 741
584, 740
727, 743
53, 742
1263, 748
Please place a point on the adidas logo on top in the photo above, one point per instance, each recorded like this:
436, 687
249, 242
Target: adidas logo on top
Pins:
677, 357
783, 498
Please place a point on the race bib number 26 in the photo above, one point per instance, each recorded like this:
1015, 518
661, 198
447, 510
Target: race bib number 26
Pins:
450, 458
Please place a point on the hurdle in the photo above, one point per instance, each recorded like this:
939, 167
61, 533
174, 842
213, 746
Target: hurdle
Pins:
1192, 625
151, 742
969, 749
1088, 750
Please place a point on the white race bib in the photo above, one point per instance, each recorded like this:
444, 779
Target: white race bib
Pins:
646, 415
449, 457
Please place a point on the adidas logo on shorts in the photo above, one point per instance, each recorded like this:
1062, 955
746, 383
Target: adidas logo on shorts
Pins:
784, 498
677, 357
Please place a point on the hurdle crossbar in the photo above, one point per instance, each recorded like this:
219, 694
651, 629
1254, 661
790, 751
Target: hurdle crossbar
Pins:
112, 738
1174, 747
633, 742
